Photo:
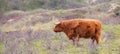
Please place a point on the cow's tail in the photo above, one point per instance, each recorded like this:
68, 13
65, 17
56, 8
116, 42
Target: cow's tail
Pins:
98, 33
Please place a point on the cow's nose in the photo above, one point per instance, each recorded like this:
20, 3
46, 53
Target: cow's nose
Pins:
56, 31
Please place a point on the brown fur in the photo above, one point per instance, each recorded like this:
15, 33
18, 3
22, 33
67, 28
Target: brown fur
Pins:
80, 28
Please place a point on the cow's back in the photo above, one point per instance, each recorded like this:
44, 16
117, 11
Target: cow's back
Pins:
87, 27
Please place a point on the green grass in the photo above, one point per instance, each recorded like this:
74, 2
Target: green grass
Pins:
1, 47
112, 47
114, 28
37, 44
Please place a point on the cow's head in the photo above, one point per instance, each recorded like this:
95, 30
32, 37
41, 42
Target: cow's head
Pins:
58, 27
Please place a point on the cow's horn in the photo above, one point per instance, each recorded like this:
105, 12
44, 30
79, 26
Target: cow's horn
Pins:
57, 23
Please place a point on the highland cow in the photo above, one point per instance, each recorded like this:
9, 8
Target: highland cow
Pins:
80, 28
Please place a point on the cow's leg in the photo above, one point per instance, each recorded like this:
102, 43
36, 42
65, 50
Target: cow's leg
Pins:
93, 40
95, 45
75, 40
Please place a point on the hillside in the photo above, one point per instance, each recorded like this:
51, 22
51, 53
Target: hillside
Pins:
31, 32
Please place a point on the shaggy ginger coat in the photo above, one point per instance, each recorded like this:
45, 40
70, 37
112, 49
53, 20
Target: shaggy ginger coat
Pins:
80, 28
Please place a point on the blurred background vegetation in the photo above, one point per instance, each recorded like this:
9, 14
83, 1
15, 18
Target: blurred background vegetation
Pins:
25, 5
48, 4
26, 26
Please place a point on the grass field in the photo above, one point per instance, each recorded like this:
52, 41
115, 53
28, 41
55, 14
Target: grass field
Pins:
32, 33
